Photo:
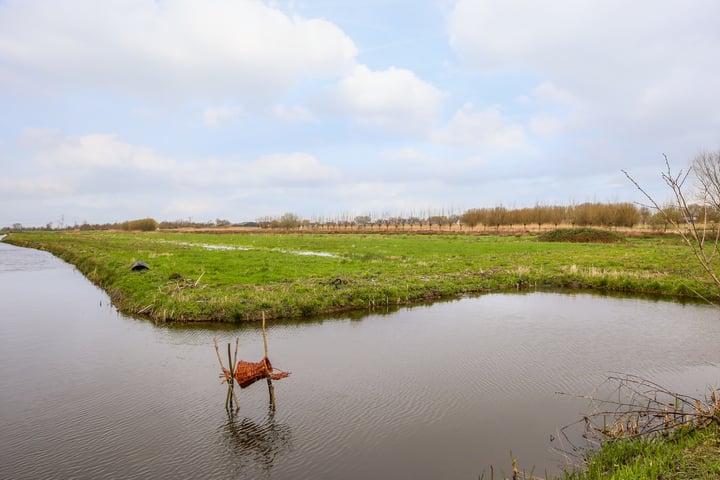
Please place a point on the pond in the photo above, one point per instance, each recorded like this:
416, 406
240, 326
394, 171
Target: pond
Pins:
439, 391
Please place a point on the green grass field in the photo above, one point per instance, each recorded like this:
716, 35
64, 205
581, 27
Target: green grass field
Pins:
236, 277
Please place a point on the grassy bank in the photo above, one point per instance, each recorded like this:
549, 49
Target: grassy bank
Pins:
688, 454
683, 455
234, 277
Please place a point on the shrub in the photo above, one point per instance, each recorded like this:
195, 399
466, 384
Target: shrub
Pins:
580, 235
143, 225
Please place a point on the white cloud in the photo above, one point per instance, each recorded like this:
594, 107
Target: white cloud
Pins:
294, 113
394, 99
40, 137
197, 205
409, 166
293, 168
481, 128
617, 62
547, 125
102, 163
549, 92
92, 151
219, 116
404, 155
39, 186
210, 49
275, 170
580, 39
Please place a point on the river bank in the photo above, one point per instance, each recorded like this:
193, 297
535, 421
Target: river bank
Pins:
236, 277
464, 384
683, 455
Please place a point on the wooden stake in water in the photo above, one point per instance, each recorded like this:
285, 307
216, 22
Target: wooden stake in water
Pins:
231, 390
231, 382
271, 389
237, 342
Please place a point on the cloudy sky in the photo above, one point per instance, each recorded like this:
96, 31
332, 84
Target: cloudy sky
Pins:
237, 109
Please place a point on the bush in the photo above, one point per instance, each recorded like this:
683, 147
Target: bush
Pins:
143, 225
580, 235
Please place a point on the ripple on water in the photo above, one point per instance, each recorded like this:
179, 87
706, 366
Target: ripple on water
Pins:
16, 259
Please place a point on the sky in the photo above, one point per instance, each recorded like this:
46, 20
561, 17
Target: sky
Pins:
200, 110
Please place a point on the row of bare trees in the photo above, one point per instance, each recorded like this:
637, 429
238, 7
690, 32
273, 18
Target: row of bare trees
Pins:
585, 214
596, 214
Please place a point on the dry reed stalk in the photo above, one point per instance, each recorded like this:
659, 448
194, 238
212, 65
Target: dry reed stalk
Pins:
640, 408
145, 309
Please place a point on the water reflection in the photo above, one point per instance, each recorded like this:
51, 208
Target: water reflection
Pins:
255, 445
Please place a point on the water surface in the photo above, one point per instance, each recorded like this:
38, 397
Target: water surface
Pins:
439, 391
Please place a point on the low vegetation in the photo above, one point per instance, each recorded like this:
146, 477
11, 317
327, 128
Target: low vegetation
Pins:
682, 455
640, 430
140, 225
647, 431
580, 235
236, 277
686, 454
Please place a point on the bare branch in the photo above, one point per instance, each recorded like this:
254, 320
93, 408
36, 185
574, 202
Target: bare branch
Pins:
692, 224
638, 407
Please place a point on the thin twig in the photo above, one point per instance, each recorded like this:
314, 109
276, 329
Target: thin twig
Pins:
217, 351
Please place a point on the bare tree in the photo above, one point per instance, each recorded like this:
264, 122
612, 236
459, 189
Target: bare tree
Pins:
691, 224
289, 221
362, 220
707, 170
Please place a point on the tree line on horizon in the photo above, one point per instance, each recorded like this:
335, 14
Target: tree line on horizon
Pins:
595, 214
589, 214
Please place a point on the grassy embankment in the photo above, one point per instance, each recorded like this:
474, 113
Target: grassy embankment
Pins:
682, 455
688, 454
251, 273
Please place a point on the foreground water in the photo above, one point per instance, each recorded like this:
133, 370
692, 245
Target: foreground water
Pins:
442, 391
